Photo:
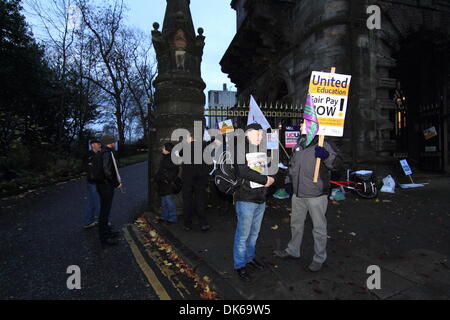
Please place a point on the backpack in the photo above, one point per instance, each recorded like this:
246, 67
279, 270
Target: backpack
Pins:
225, 176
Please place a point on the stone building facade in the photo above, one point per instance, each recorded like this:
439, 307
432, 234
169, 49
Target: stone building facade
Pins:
400, 72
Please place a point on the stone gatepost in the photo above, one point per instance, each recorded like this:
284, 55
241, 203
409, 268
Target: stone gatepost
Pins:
179, 88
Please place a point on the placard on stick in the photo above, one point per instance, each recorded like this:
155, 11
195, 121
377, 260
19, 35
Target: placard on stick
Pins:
329, 92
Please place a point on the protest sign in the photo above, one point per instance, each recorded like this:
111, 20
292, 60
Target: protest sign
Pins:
406, 167
272, 141
430, 133
329, 92
408, 172
226, 127
291, 137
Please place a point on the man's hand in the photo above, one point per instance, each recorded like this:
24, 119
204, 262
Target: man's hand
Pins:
120, 186
270, 181
322, 153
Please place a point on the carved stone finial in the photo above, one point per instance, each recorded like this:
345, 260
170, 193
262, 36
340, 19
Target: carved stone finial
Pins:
200, 31
156, 26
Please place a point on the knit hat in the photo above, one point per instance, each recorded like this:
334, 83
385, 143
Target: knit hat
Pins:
253, 126
105, 140
95, 140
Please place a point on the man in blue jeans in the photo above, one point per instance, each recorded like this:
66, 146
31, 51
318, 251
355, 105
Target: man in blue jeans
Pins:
93, 204
165, 179
250, 199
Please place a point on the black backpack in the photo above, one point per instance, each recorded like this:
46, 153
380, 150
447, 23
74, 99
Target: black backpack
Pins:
225, 176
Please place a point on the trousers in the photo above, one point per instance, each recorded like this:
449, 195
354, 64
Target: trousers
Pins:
317, 208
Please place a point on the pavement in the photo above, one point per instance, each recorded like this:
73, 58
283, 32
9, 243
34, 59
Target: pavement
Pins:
406, 235
41, 236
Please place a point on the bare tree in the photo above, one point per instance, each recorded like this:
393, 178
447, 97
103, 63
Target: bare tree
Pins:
70, 55
139, 74
105, 24
56, 19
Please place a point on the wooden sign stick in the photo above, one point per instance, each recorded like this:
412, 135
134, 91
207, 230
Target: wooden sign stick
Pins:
321, 144
284, 149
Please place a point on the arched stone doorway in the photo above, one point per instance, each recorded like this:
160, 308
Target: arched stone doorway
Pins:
422, 80
413, 71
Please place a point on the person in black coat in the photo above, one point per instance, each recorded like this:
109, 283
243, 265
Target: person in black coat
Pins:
195, 178
250, 200
165, 179
108, 181
93, 200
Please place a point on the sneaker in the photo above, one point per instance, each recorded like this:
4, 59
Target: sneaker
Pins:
315, 266
92, 225
243, 275
206, 228
282, 166
255, 264
281, 194
282, 254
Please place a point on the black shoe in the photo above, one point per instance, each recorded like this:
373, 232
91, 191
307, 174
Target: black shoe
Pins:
206, 228
255, 264
109, 243
243, 274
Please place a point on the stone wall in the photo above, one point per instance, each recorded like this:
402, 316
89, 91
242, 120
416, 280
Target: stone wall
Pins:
334, 33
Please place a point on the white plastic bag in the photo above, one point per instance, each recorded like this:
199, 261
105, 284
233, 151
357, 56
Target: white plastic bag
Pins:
338, 194
388, 185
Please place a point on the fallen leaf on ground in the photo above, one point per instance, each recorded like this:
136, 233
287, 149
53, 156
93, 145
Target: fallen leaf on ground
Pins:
275, 227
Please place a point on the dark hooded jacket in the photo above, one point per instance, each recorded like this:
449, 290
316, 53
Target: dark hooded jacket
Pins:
107, 173
166, 175
302, 168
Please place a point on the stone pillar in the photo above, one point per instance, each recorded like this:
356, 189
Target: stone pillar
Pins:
179, 88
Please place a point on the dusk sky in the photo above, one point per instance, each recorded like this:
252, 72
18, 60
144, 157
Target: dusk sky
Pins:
216, 17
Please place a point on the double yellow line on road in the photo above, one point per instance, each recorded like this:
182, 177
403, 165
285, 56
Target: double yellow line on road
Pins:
148, 272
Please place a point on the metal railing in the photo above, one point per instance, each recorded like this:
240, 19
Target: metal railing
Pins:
276, 113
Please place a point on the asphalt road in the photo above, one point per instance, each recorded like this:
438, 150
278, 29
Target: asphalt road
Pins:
42, 235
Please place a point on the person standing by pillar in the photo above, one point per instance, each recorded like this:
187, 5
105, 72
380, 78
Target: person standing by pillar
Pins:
195, 184
165, 179
92, 211
108, 180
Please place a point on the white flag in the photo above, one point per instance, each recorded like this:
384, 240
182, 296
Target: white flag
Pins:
256, 116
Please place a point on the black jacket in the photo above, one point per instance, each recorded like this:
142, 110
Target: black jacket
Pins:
303, 165
108, 173
197, 174
166, 175
245, 193
89, 166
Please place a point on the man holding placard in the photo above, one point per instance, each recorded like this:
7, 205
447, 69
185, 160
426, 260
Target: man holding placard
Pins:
314, 159
309, 196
